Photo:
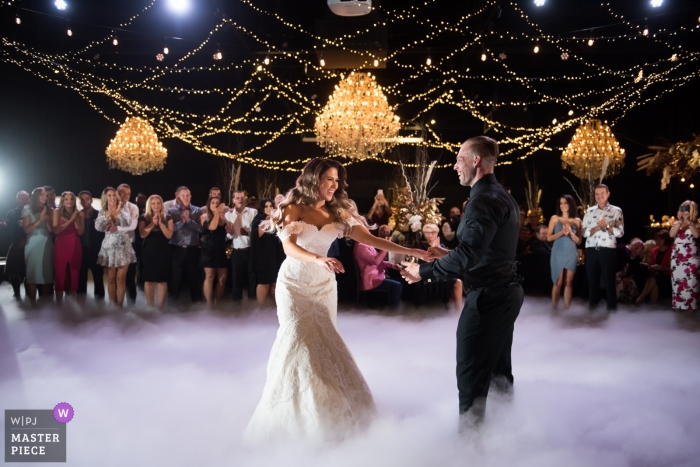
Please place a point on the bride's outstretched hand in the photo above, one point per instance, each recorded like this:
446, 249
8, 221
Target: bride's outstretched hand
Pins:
331, 264
421, 254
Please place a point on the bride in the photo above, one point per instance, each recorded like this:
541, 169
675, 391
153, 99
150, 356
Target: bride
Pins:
314, 389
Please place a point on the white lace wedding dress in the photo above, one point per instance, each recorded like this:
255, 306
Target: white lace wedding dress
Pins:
314, 389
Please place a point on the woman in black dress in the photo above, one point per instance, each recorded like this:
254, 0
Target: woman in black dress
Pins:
213, 256
267, 253
155, 251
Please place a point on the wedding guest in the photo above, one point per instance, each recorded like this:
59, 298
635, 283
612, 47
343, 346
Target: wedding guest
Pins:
168, 205
685, 259
648, 246
38, 250
380, 212
68, 226
141, 200
116, 253
124, 192
535, 263
633, 273
50, 197
373, 272
659, 281
565, 231
239, 221
524, 237
216, 193
155, 251
15, 267
91, 243
430, 232
213, 255
602, 225
267, 254
449, 228
533, 220
183, 221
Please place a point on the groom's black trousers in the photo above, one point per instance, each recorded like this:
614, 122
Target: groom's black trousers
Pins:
484, 339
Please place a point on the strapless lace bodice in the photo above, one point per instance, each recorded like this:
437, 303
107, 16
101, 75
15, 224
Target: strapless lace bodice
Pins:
310, 237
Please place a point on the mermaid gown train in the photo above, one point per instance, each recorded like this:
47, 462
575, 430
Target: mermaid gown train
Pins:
314, 389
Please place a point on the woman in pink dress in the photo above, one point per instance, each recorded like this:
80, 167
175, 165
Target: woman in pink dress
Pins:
685, 259
68, 225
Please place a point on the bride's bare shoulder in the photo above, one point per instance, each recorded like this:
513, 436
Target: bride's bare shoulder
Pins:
292, 212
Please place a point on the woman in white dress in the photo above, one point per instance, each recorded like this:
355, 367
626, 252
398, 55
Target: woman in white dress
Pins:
314, 389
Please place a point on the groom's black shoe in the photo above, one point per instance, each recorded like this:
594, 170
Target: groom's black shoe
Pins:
502, 385
472, 419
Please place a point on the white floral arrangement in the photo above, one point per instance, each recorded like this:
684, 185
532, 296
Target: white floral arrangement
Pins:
415, 223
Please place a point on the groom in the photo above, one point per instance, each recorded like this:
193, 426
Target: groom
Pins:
485, 260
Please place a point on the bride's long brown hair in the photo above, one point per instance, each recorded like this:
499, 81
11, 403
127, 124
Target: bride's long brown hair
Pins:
306, 193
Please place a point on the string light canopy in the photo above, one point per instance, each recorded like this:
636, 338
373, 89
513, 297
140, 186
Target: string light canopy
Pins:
593, 152
135, 148
113, 85
357, 121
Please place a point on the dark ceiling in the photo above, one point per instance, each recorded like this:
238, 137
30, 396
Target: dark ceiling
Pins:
50, 133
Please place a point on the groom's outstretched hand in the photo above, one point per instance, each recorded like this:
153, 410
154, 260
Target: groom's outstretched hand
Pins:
410, 272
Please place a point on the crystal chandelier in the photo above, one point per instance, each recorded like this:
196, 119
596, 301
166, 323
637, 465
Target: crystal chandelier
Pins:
135, 148
357, 121
593, 152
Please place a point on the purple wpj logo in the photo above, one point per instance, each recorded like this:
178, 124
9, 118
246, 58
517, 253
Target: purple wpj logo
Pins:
37, 435
63, 412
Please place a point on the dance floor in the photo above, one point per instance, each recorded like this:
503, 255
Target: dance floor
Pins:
178, 389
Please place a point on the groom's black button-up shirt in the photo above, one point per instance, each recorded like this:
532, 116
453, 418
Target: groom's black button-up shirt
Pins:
488, 237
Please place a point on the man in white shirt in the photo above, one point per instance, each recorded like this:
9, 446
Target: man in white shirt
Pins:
124, 192
238, 226
170, 204
603, 224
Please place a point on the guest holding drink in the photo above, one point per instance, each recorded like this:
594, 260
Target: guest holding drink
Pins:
68, 225
565, 231
267, 253
116, 253
155, 251
685, 259
38, 251
213, 255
